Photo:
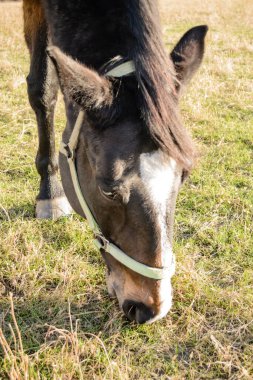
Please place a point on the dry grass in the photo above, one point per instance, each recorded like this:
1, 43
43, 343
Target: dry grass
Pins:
64, 327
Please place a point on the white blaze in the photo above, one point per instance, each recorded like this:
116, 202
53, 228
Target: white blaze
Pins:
159, 175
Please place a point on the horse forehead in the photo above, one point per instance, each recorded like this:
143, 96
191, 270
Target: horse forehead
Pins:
158, 173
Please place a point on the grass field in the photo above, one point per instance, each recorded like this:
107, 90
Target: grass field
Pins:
63, 325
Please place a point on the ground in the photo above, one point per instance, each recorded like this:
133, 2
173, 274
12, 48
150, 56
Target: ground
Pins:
63, 325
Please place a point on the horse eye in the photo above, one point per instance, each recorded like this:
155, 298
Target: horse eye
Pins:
107, 194
117, 194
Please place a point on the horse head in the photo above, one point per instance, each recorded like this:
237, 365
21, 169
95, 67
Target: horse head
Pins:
128, 180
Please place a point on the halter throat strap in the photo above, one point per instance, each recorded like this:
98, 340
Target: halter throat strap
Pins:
69, 150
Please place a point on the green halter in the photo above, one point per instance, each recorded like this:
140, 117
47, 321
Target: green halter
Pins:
100, 241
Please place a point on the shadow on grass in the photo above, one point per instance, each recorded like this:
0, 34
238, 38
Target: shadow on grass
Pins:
23, 211
184, 232
248, 143
35, 317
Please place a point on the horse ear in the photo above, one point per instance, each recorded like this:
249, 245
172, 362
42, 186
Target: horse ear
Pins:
187, 55
80, 84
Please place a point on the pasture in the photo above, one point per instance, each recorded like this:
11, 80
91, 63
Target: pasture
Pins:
57, 321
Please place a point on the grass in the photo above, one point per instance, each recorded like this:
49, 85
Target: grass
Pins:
56, 319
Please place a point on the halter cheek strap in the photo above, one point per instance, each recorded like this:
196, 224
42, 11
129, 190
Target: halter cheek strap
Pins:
69, 150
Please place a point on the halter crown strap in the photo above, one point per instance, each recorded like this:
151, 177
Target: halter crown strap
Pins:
122, 70
100, 241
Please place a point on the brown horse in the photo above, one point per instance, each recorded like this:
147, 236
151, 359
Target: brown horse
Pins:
131, 151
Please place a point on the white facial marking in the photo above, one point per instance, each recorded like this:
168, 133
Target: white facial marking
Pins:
159, 175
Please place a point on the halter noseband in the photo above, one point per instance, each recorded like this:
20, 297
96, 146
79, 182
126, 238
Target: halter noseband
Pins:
100, 241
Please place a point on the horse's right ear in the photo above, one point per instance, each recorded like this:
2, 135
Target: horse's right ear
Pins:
80, 84
187, 55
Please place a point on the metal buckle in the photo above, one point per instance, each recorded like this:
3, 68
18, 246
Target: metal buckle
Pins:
103, 241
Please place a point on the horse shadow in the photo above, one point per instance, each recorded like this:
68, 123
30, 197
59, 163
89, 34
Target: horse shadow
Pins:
92, 311
22, 211
43, 319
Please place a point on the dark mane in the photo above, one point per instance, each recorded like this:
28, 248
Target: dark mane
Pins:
156, 76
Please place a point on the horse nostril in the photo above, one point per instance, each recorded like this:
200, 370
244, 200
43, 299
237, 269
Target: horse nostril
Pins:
137, 311
129, 308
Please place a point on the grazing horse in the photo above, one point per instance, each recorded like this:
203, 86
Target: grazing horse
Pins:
129, 151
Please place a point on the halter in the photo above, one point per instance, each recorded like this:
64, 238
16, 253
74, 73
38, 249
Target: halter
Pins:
100, 241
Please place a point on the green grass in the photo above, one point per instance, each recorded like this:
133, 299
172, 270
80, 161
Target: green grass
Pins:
69, 327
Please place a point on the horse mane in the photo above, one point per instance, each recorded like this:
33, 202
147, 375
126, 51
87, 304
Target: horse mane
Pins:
156, 80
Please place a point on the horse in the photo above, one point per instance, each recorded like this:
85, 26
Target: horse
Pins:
131, 153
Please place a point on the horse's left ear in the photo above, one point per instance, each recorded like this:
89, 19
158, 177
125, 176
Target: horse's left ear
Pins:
187, 55
80, 84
